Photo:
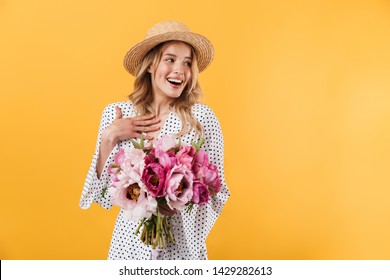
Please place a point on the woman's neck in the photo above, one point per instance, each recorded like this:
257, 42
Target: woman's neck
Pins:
161, 107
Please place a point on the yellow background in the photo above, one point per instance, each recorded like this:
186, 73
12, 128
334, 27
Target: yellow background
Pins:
301, 88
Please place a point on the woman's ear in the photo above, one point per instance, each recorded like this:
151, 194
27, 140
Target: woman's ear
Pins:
150, 69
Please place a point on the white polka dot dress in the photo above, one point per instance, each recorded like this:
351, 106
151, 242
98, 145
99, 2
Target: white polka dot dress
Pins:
189, 230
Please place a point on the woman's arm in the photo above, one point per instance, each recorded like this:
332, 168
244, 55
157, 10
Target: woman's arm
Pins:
111, 131
123, 129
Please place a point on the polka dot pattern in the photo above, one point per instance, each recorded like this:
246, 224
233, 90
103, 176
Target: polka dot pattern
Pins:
189, 230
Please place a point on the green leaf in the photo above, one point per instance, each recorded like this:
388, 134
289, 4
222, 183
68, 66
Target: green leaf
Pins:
197, 145
142, 141
104, 191
178, 145
149, 226
136, 144
189, 207
200, 143
161, 200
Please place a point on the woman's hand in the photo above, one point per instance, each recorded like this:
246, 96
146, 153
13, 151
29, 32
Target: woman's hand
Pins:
123, 129
126, 128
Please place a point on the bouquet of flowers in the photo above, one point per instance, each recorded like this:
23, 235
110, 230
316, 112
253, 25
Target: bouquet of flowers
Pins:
151, 183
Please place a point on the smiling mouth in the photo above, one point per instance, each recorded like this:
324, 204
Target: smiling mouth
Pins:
175, 82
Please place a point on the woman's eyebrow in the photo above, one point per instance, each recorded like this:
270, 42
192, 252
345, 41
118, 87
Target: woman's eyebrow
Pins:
171, 54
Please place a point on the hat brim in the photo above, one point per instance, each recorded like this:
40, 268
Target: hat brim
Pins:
203, 48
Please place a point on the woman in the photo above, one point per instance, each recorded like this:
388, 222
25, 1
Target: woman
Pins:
164, 101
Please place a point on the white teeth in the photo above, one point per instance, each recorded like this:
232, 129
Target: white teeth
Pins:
176, 81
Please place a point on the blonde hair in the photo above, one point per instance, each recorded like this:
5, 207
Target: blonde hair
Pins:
142, 95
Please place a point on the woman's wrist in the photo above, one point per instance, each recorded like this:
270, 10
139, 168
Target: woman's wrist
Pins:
109, 138
107, 143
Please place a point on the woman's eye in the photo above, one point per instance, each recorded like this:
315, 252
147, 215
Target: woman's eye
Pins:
170, 60
188, 63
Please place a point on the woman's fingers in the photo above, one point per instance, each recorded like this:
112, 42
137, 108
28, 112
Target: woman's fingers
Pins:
134, 127
146, 123
147, 128
118, 113
146, 117
140, 136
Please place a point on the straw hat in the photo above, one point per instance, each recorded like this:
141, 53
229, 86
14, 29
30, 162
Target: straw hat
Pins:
168, 31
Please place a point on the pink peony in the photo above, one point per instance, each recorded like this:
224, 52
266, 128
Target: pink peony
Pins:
186, 156
157, 165
206, 172
119, 157
200, 159
132, 165
178, 183
165, 143
154, 182
115, 179
111, 170
134, 200
154, 179
211, 178
201, 193
166, 159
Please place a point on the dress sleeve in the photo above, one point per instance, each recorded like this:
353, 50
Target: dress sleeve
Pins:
93, 187
214, 146
202, 218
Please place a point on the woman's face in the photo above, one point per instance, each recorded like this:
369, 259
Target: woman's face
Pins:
173, 72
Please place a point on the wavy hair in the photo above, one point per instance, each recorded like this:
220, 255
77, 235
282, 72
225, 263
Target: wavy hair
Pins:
142, 95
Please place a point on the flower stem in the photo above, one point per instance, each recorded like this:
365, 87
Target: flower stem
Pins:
153, 237
139, 226
143, 234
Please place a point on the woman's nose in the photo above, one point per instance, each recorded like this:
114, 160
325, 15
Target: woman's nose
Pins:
178, 70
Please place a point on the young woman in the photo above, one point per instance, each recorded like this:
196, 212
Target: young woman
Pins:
164, 101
